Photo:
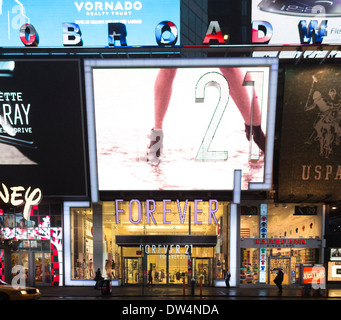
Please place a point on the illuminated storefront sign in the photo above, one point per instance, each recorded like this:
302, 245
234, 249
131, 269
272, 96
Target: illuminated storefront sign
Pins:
18, 196
281, 243
88, 23
150, 205
204, 135
165, 249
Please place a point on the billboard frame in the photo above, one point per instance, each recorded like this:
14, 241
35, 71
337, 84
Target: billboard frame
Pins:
82, 112
91, 64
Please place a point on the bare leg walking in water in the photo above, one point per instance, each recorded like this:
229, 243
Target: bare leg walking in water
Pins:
162, 95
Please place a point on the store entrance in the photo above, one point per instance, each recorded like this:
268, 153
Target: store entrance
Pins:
36, 267
132, 271
157, 268
277, 263
202, 269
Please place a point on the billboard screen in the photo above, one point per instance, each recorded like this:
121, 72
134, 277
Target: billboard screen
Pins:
314, 275
57, 23
173, 124
278, 22
310, 137
41, 126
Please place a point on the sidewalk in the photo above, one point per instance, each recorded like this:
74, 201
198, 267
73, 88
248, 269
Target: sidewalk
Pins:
166, 292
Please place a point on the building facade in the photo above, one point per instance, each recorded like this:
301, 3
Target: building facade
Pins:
84, 188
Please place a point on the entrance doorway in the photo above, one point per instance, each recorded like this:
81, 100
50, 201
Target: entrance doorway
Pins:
37, 267
157, 263
168, 265
277, 263
202, 269
132, 270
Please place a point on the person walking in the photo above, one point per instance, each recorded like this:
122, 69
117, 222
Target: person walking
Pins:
150, 278
227, 279
98, 278
279, 279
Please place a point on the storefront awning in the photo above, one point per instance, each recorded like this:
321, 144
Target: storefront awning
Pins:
195, 240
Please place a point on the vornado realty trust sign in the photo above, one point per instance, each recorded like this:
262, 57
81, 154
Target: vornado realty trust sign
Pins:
310, 166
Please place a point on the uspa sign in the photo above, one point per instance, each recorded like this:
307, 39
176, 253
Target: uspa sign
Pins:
311, 134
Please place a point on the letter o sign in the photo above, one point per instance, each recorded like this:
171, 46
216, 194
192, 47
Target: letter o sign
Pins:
29, 36
166, 33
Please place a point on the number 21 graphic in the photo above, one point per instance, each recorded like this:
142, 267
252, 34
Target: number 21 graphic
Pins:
217, 80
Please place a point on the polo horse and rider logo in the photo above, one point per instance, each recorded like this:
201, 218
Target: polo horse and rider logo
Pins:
327, 130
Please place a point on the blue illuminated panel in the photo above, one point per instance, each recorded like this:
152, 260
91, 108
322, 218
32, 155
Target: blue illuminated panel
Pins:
84, 23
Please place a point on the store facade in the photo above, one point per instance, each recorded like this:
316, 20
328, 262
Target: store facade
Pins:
163, 218
182, 242
282, 237
192, 246
43, 162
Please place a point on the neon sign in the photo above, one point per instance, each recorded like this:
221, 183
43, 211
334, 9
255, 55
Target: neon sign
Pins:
17, 196
151, 207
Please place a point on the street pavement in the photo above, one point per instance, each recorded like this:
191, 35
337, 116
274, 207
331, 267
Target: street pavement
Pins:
158, 292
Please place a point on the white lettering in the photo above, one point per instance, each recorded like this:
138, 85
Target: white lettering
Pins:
79, 6
108, 6
19, 197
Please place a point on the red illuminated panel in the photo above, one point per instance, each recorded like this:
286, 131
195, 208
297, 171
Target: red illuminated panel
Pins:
313, 275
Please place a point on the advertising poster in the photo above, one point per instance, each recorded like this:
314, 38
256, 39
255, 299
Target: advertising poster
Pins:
314, 275
278, 22
41, 127
310, 140
199, 115
140, 19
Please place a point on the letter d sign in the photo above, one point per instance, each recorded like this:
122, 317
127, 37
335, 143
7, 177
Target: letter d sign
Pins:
263, 29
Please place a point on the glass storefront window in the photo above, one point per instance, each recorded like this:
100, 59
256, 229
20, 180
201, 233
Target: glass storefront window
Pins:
82, 243
31, 242
181, 218
284, 227
282, 222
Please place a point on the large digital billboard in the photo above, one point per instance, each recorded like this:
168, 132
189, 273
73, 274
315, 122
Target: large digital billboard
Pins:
42, 140
87, 23
310, 151
278, 22
174, 124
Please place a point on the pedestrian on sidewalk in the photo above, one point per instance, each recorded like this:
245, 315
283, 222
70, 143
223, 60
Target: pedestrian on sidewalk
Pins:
227, 279
279, 279
150, 278
98, 278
